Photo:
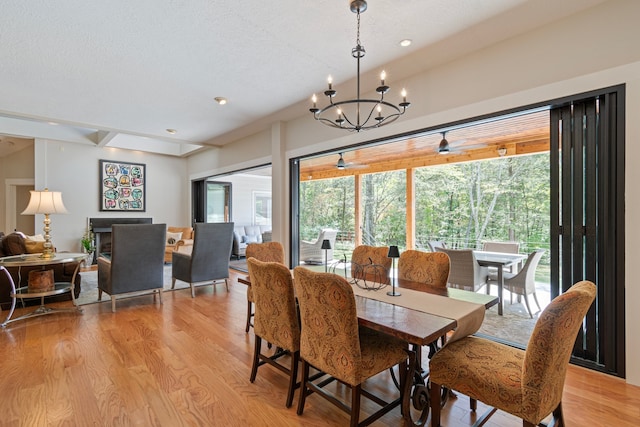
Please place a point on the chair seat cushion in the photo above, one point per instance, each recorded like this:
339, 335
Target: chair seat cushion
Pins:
379, 352
483, 370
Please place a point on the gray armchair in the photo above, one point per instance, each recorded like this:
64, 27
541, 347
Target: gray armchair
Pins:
209, 259
136, 262
312, 252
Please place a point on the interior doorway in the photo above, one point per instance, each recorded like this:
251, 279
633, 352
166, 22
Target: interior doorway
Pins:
16, 199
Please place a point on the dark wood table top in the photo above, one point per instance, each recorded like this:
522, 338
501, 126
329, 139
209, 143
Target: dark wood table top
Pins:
487, 300
413, 326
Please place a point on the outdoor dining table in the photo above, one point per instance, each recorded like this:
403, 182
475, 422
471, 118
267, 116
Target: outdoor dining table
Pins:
419, 316
500, 260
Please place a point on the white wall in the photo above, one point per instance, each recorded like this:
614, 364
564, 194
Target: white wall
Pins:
243, 187
590, 50
74, 170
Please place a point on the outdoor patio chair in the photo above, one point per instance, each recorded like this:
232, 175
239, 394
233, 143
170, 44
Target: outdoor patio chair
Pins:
465, 272
522, 283
312, 252
506, 247
433, 244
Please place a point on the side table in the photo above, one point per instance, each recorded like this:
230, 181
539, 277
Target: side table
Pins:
23, 292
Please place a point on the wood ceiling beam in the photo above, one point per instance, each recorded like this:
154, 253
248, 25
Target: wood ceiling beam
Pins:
524, 146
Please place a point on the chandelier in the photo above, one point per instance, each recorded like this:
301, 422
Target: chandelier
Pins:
359, 114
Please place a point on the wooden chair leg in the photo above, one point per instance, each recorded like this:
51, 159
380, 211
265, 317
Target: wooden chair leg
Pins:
173, 283
293, 377
435, 404
193, 290
160, 295
249, 314
473, 404
303, 387
226, 283
557, 415
355, 405
113, 303
256, 358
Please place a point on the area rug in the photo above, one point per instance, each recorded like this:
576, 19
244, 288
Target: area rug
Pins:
89, 286
239, 265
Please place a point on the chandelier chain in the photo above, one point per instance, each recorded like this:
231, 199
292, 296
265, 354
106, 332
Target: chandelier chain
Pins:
358, 30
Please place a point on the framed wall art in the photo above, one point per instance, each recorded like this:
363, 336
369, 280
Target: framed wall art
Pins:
122, 186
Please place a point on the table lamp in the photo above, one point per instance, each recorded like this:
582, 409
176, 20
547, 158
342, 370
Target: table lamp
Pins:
326, 245
45, 202
393, 254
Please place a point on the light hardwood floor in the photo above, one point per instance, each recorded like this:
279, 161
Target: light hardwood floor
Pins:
187, 362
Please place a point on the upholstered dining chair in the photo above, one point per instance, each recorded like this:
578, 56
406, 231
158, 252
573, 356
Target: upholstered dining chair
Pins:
525, 383
465, 272
265, 252
275, 319
332, 342
371, 263
209, 259
522, 283
430, 268
136, 262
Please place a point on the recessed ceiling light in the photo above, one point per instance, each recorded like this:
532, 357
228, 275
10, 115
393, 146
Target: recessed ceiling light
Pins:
172, 131
405, 42
53, 123
220, 100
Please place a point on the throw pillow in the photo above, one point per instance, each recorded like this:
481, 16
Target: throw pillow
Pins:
250, 239
172, 238
13, 244
34, 246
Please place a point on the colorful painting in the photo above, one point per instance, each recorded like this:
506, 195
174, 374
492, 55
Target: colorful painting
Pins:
122, 186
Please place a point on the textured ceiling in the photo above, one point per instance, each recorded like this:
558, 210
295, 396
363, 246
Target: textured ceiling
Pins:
119, 73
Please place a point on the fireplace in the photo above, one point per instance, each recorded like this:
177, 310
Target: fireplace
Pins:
101, 228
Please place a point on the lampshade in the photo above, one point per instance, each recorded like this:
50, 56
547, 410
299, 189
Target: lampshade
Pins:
326, 244
393, 252
45, 202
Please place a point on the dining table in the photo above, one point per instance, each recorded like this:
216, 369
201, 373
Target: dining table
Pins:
420, 315
499, 260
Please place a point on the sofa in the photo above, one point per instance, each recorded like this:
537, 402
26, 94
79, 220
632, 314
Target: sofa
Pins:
245, 234
17, 244
179, 239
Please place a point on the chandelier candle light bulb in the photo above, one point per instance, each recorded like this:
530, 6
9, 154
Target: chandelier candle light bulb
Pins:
357, 114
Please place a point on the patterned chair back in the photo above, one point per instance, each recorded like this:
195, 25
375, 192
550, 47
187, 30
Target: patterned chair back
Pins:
550, 346
276, 316
266, 252
329, 339
430, 268
363, 256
